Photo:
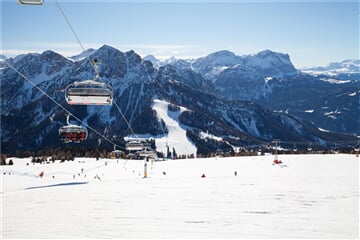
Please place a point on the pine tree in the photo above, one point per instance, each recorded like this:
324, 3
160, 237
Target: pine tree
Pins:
174, 153
168, 154
3, 159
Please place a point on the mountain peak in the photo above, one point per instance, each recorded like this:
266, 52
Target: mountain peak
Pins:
154, 61
271, 63
223, 55
151, 58
49, 52
349, 66
133, 57
49, 55
219, 58
107, 48
83, 55
270, 53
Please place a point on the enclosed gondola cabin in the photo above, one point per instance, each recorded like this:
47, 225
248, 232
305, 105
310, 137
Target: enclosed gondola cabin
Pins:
89, 92
31, 2
73, 133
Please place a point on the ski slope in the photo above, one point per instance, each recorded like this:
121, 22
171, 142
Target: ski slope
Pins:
176, 137
315, 196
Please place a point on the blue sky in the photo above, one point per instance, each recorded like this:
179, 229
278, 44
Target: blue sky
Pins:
312, 33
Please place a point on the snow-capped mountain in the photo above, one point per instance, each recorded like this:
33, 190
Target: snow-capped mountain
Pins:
265, 64
176, 62
216, 66
238, 77
346, 66
2, 59
30, 120
83, 55
337, 72
271, 80
155, 62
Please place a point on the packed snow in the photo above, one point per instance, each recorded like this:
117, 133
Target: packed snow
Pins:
335, 81
323, 130
207, 135
176, 137
308, 196
352, 94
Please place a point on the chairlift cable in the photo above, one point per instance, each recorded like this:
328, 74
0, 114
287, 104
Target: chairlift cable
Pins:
123, 116
76, 36
91, 62
61, 106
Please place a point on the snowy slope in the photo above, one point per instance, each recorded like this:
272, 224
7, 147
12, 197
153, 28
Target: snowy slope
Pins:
2, 57
155, 62
351, 66
344, 70
316, 196
83, 55
176, 137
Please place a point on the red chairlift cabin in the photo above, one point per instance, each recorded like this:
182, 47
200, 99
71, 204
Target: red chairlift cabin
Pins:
73, 133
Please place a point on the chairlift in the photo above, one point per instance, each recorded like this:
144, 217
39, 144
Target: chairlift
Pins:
72, 133
147, 153
31, 2
116, 153
134, 145
89, 92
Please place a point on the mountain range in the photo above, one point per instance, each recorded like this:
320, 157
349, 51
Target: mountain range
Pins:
235, 100
326, 96
346, 66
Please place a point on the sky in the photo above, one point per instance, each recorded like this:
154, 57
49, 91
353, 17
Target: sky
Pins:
312, 33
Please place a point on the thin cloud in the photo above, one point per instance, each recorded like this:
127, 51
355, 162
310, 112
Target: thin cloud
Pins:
65, 49
161, 51
15, 52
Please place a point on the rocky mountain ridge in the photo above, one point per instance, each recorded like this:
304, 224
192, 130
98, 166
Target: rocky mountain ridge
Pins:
31, 121
326, 96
